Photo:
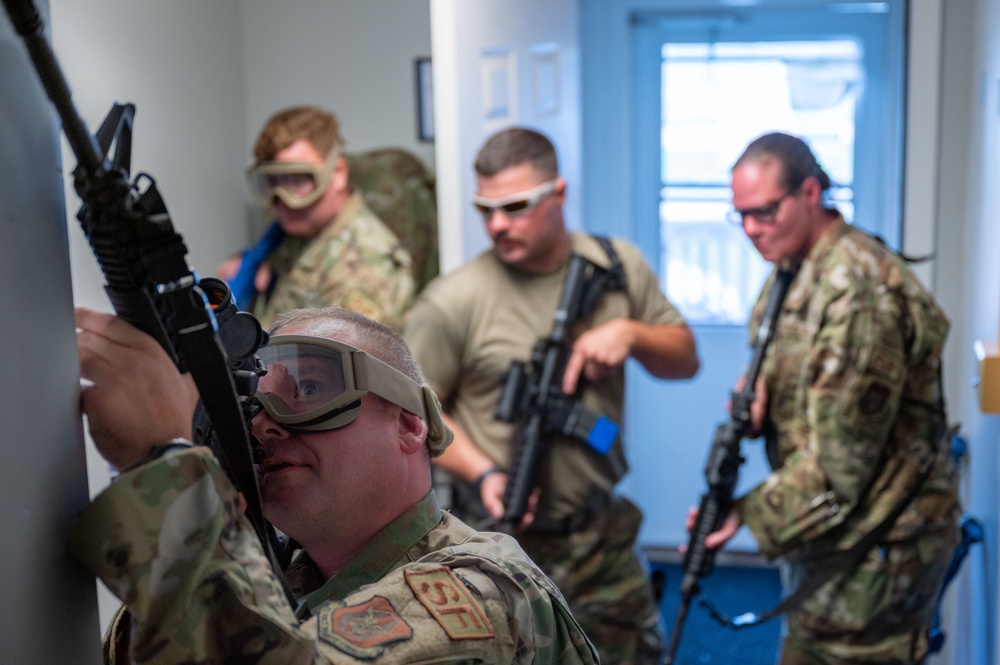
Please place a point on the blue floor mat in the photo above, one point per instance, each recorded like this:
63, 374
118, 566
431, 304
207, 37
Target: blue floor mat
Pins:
733, 591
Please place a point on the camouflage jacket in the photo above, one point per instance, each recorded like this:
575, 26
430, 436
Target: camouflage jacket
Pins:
356, 262
169, 540
852, 379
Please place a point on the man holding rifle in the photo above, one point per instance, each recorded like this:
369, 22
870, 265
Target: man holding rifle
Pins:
344, 437
467, 327
849, 400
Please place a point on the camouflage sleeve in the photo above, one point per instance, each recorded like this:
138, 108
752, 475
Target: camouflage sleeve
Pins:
855, 368
170, 541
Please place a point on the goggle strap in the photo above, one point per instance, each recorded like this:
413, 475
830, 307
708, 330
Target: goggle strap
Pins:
389, 383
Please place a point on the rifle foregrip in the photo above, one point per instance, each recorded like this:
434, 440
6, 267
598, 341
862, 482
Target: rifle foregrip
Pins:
699, 560
523, 473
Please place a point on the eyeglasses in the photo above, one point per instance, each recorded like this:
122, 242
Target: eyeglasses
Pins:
297, 184
315, 384
515, 205
765, 214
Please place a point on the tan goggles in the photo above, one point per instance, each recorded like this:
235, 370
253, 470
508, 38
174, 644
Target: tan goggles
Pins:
315, 384
515, 205
297, 184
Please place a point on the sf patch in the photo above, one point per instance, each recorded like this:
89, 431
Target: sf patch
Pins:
450, 603
362, 630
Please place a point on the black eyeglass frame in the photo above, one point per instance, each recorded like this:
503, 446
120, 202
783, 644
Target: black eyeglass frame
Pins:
766, 214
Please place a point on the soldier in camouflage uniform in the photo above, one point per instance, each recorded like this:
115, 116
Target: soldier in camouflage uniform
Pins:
333, 249
849, 400
388, 577
467, 327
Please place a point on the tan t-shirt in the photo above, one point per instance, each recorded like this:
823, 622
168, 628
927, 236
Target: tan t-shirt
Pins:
467, 326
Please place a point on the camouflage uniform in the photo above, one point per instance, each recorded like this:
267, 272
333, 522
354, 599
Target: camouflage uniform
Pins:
464, 330
355, 262
168, 538
852, 414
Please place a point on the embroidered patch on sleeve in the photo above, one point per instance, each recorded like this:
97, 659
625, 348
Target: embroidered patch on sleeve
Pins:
362, 630
449, 602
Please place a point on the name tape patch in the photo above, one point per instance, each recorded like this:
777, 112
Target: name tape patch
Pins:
450, 603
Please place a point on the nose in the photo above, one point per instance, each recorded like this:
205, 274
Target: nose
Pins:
497, 221
265, 428
752, 226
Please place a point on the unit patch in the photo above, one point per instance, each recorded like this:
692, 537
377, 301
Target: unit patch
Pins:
362, 630
449, 602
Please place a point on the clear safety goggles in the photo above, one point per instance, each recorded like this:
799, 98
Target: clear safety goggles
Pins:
297, 184
515, 205
315, 384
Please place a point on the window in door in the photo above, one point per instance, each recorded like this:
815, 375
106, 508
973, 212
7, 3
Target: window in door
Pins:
709, 82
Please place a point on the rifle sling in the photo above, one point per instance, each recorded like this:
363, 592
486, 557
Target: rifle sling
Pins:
210, 371
848, 560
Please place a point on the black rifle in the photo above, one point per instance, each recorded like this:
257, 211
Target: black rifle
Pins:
723, 467
535, 398
149, 282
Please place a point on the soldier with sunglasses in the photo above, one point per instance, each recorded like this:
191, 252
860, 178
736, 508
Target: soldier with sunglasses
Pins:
345, 431
326, 246
467, 327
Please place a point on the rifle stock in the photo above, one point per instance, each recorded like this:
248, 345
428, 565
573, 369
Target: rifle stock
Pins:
722, 468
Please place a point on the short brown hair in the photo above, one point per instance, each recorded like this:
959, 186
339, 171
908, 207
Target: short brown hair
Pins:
514, 146
372, 337
284, 128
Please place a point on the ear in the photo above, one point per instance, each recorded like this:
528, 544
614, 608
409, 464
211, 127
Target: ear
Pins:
412, 432
560, 190
812, 190
340, 178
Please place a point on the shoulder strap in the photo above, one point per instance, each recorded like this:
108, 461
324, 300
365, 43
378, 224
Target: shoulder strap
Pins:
617, 270
601, 280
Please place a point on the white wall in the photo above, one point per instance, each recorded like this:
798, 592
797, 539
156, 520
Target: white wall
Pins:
355, 58
968, 285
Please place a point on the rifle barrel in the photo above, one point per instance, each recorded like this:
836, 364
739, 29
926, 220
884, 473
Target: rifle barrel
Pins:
28, 23
722, 468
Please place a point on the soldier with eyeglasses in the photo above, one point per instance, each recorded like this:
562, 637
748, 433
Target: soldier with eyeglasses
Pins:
849, 401
466, 328
326, 246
